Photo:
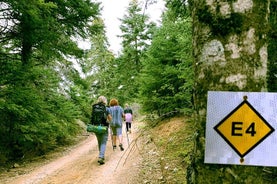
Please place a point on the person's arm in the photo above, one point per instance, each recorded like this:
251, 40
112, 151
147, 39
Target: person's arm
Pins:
123, 114
109, 118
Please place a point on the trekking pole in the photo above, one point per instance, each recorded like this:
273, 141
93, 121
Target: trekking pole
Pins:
127, 135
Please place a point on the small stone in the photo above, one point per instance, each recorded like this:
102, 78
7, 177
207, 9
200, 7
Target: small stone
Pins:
15, 165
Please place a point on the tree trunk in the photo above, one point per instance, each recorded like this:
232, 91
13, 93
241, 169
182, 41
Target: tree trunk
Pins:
230, 54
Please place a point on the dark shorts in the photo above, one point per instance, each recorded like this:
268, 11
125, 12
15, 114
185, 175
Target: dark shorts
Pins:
116, 130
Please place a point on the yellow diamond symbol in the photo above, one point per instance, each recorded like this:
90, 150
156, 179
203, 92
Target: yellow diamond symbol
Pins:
244, 128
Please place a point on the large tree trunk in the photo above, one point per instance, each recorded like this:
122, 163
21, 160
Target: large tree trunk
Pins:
272, 47
230, 52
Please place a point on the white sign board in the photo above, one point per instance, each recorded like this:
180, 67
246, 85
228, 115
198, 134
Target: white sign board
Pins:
241, 128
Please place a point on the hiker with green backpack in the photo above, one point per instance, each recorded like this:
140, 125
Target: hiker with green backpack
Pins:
100, 118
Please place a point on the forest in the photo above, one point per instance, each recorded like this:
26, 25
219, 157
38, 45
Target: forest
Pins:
43, 94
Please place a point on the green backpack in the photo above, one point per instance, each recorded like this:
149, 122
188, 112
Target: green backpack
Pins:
98, 129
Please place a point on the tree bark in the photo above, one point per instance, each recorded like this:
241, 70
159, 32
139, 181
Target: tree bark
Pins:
230, 54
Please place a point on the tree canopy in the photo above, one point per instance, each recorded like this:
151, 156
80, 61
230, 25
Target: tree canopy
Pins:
37, 108
166, 78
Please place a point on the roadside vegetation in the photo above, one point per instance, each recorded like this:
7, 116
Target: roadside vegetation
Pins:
165, 147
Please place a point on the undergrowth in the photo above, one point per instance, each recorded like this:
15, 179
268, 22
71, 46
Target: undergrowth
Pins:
174, 141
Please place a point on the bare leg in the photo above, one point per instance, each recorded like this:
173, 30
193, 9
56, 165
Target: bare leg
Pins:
114, 140
120, 139
120, 142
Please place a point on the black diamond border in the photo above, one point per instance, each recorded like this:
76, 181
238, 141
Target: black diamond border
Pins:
230, 144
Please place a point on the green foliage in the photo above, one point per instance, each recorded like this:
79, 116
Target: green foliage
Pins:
117, 77
41, 93
47, 27
137, 32
166, 77
34, 119
98, 67
179, 8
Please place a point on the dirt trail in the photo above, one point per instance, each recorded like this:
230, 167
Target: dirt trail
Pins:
79, 166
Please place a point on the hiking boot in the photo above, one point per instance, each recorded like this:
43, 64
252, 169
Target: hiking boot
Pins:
121, 147
101, 161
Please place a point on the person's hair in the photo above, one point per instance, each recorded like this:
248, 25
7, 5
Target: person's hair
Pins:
102, 99
113, 102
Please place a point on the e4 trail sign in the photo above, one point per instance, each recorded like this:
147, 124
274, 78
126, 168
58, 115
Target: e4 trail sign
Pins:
244, 128
240, 128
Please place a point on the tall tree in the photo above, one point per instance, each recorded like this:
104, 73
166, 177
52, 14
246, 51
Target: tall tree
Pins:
34, 114
230, 52
166, 76
137, 31
98, 64
46, 26
272, 47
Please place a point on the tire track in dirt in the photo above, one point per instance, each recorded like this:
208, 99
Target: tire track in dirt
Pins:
79, 166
